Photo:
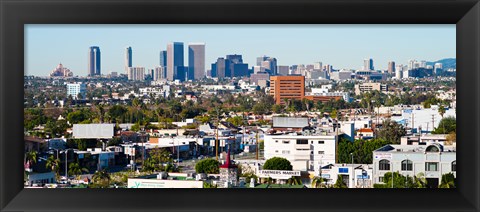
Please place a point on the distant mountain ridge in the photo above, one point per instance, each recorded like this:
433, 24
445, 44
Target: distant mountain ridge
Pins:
447, 63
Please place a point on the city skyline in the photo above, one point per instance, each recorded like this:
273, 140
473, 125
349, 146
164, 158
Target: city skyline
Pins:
343, 46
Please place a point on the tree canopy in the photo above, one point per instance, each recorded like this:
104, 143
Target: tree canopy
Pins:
362, 150
208, 166
446, 126
391, 131
277, 163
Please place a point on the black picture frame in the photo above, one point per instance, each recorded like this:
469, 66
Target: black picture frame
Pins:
464, 13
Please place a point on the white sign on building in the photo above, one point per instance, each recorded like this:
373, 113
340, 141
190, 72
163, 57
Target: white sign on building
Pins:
382, 156
278, 174
98, 131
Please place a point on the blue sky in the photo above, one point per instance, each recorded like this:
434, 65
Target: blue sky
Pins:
343, 46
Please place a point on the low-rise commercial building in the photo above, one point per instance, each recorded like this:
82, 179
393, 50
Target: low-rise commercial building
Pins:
305, 152
431, 160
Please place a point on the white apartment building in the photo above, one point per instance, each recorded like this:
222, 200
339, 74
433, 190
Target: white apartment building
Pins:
371, 86
136, 73
305, 152
433, 160
74, 89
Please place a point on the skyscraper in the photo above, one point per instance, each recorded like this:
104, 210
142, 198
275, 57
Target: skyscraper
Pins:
222, 67
94, 61
136, 73
399, 71
196, 61
237, 67
163, 58
391, 67
128, 58
368, 65
283, 70
270, 63
175, 62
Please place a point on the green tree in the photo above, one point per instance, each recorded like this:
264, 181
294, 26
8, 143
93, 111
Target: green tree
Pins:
401, 181
31, 157
208, 166
294, 180
75, 169
101, 179
277, 108
361, 149
277, 163
391, 131
447, 125
53, 164
78, 116
208, 185
236, 120
448, 181
318, 182
339, 183
156, 160
204, 119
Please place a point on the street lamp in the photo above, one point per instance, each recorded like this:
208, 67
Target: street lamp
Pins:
353, 173
391, 167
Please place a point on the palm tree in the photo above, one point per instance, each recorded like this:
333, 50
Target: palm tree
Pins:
441, 111
53, 164
101, 112
31, 157
448, 181
294, 181
75, 169
101, 178
420, 180
339, 183
318, 182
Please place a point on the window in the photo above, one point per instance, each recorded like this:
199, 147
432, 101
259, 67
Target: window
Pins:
429, 166
432, 148
321, 142
276, 151
276, 141
454, 166
407, 165
380, 179
321, 152
302, 141
384, 165
286, 152
286, 142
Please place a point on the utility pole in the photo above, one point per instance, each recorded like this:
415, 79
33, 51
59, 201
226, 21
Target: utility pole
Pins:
258, 143
433, 121
413, 122
216, 140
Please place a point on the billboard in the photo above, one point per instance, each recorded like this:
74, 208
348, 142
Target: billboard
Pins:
93, 131
290, 122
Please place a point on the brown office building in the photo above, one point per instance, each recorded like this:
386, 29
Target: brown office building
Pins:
287, 87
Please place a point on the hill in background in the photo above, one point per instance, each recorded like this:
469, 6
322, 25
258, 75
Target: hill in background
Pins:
447, 63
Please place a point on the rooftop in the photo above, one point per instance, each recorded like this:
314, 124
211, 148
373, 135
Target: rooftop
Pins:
435, 147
